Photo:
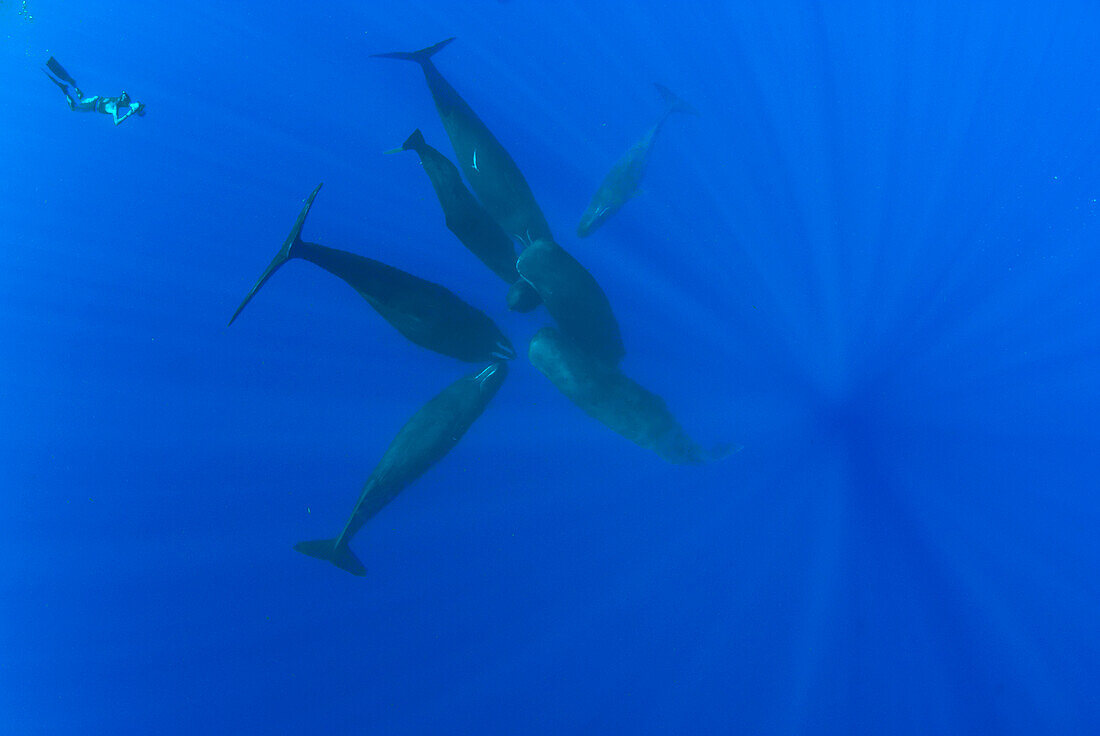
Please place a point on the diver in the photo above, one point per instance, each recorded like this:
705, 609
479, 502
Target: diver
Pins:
119, 108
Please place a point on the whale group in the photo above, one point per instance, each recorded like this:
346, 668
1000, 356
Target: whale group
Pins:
493, 216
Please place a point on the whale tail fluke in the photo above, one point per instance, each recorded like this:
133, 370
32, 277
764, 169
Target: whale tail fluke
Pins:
413, 143
335, 552
285, 253
423, 56
675, 104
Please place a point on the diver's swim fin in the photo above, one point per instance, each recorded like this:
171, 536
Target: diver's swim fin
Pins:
59, 70
284, 253
61, 84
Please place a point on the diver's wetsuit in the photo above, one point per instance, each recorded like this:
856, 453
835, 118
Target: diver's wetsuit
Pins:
119, 108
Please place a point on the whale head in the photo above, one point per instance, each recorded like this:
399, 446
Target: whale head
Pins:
503, 349
489, 379
594, 216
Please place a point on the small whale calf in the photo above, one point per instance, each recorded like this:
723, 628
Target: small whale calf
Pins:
614, 400
621, 183
422, 442
470, 223
425, 312
490, 169
573, 299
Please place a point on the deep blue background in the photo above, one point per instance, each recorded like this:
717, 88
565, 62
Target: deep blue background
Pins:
872, 260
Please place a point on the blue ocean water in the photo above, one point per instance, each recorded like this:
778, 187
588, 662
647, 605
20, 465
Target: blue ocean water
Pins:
871, 260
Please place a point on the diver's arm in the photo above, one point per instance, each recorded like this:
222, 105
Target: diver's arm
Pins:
130, 110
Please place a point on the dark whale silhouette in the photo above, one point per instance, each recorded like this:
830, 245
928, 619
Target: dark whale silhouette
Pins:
493, 175
470, 223
424, 312
573, 299
422, 442
621, 183
609, 397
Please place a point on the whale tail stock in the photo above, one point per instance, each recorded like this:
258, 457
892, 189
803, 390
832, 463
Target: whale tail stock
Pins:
423, 56
284, 253
334, 551
675, 104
